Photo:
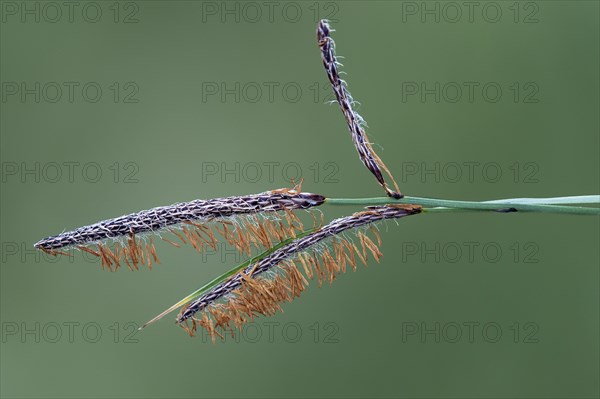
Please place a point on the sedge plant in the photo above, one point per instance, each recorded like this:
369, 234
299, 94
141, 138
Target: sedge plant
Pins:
292, 253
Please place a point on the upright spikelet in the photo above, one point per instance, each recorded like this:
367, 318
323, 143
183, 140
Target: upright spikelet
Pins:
261, 287
353, 119
243, 221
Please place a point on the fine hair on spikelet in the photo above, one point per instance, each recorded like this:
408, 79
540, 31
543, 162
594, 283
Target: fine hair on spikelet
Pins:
356, 124
282, 275
244, 222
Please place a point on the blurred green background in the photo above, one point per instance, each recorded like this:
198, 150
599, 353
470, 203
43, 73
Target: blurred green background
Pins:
208, 99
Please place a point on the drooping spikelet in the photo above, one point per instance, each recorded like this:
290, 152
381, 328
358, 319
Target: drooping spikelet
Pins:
353, 119
244, 221
261, 287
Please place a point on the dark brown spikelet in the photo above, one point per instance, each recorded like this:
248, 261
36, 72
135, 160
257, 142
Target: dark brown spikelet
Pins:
262, 287
244, 222
355, 122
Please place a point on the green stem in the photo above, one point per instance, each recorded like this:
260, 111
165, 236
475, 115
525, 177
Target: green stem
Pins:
520, 204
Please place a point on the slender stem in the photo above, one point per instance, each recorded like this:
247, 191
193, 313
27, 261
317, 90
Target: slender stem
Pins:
518, 204
579, 199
